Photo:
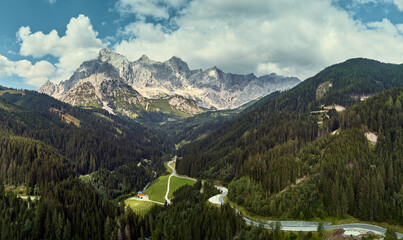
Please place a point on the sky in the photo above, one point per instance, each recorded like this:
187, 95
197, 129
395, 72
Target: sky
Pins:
44, 40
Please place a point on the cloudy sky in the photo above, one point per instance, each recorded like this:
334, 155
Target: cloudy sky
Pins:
48, 39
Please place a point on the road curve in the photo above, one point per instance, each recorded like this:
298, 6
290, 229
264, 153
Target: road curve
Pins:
219, 198
175, 175
301, 225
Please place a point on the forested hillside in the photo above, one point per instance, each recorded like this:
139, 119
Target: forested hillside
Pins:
46, 140
280, 162
199, 126
45, 145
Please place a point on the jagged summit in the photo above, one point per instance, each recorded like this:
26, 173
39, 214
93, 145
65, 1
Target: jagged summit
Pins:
178, 64
113, 58
210, 88
48, 88
143, 58
106, 51
175, 59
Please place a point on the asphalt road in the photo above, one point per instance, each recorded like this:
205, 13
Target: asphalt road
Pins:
302, 225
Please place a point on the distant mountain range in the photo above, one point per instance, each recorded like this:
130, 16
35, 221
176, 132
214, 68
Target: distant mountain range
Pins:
145, 86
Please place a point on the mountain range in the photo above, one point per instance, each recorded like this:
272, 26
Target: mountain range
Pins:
130, 88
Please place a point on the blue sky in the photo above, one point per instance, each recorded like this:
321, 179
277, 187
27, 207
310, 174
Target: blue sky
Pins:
48, 39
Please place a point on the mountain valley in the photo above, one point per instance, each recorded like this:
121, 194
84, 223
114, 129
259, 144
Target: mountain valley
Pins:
328, 149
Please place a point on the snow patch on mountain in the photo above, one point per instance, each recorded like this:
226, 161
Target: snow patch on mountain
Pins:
107, 108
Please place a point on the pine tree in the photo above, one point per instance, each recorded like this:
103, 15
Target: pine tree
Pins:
390, 234
67, 231
108, 228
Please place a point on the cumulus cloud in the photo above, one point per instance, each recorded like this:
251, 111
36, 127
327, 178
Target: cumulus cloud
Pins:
79, 43
33, 74
290, 37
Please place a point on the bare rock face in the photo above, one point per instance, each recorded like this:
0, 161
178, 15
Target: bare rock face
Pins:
126, 86
184, 105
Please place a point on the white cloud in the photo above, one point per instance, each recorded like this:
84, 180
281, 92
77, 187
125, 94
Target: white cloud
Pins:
366, 1
143, 8
290, 37
154, 8
80, 43
33, 74
399, 4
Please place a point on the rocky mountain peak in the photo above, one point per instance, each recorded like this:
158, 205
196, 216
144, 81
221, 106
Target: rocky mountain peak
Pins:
143, 58
251, 76
113, 58
47, 88
106, 53
48, 83
178, 64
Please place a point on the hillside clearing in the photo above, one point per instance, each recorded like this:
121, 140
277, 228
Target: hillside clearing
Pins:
139, 207
158, 189
177, 183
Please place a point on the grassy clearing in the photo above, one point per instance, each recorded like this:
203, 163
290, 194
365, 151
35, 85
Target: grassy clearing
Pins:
19, 191
9, 107
177, 183
139, 207
162, 105
67, 117
158, 189
103, 116
12, 92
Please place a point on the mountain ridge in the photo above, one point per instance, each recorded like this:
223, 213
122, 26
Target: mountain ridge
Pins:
206, 89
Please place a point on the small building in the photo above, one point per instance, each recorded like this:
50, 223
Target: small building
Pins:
141, 195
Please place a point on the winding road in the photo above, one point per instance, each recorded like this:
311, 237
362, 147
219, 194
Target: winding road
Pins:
303, 225
175, 175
